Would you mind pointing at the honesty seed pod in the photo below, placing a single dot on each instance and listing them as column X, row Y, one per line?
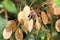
column 20, row 17
column 37, row 25
column 44, row 17
column 56, row 9
column 19, row 34
column 26, row 10
column 7, row 32
column 30, row 25
column 26, row 23
column 57, row 25
column 12, row 24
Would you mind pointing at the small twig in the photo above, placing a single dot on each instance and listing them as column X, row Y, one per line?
column 32, row 3
column 6, row 14
column 20, row 6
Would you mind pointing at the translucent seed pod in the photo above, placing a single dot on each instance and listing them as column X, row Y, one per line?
column 44, row 17
column 57, row 25
column 30, row 26
column 38, row 26
column 12, row 24
column 20, row 17
column 7, row 32
column 19, row 34
column 26, row 10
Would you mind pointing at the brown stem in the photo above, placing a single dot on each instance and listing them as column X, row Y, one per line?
column 6, row 15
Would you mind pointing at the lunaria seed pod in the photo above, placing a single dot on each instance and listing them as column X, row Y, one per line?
column 30, row 25
column 56, row 9
column 12, row 24
column 38, row 26
column 26, row 23
column 20, row 17
column 57, row 25
column 9, row 29
column 19, row 34
column 7, row 32
column 44, row 17
column 26, row 10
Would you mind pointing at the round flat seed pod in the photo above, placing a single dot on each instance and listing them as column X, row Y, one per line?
column 20, row 17
column 57, row 25
column 7, row 32
column 38, row 26
column 30, row 26
column 12, row 24
column 26, row 10
column 44, row 17
column 56, row 9
column 19, row 34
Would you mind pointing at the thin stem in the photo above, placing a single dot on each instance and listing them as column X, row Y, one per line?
column 6, row 14
column 32, row 3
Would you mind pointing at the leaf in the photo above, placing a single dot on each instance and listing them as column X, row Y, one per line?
column 2, row 23
column 10, row 6
column 57, row 2
column 2, row 26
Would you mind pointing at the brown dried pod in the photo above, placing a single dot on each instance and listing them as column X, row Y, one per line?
column 7, row 32
column 56, row 9
column 26, row 10
column 48, row 35
column 20, row 17
column 38, row 26
column 57, row 25
column 44, row 17
column 26, row 23
column 30, row 25
column 12, row 24
column 19, row 34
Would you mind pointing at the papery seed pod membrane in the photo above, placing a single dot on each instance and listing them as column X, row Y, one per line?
column 30, row 25
column 20, row 17
column 37, row 25
column 7, row 32
column 44, row 17
column 12, row 24
column 26, row 10
column 19, row 34
column 48, row 35
column 26, row 23
column 57, row 25
column 56, row 9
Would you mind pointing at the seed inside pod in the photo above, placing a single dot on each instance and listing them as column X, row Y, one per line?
column 12, row 25
column 20, row 17
column 26, row 10
column 57, row 25
column 30, row 26
column 19, row 34
column 7, row 32
column 44, row 17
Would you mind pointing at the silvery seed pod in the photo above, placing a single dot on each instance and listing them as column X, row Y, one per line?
column 57, row 25
column 26, row 10
column 44, row 17
column 19, row 34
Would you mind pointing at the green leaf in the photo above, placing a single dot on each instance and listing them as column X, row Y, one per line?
column 57, row 2
column 10, row 6
column 2, row 25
